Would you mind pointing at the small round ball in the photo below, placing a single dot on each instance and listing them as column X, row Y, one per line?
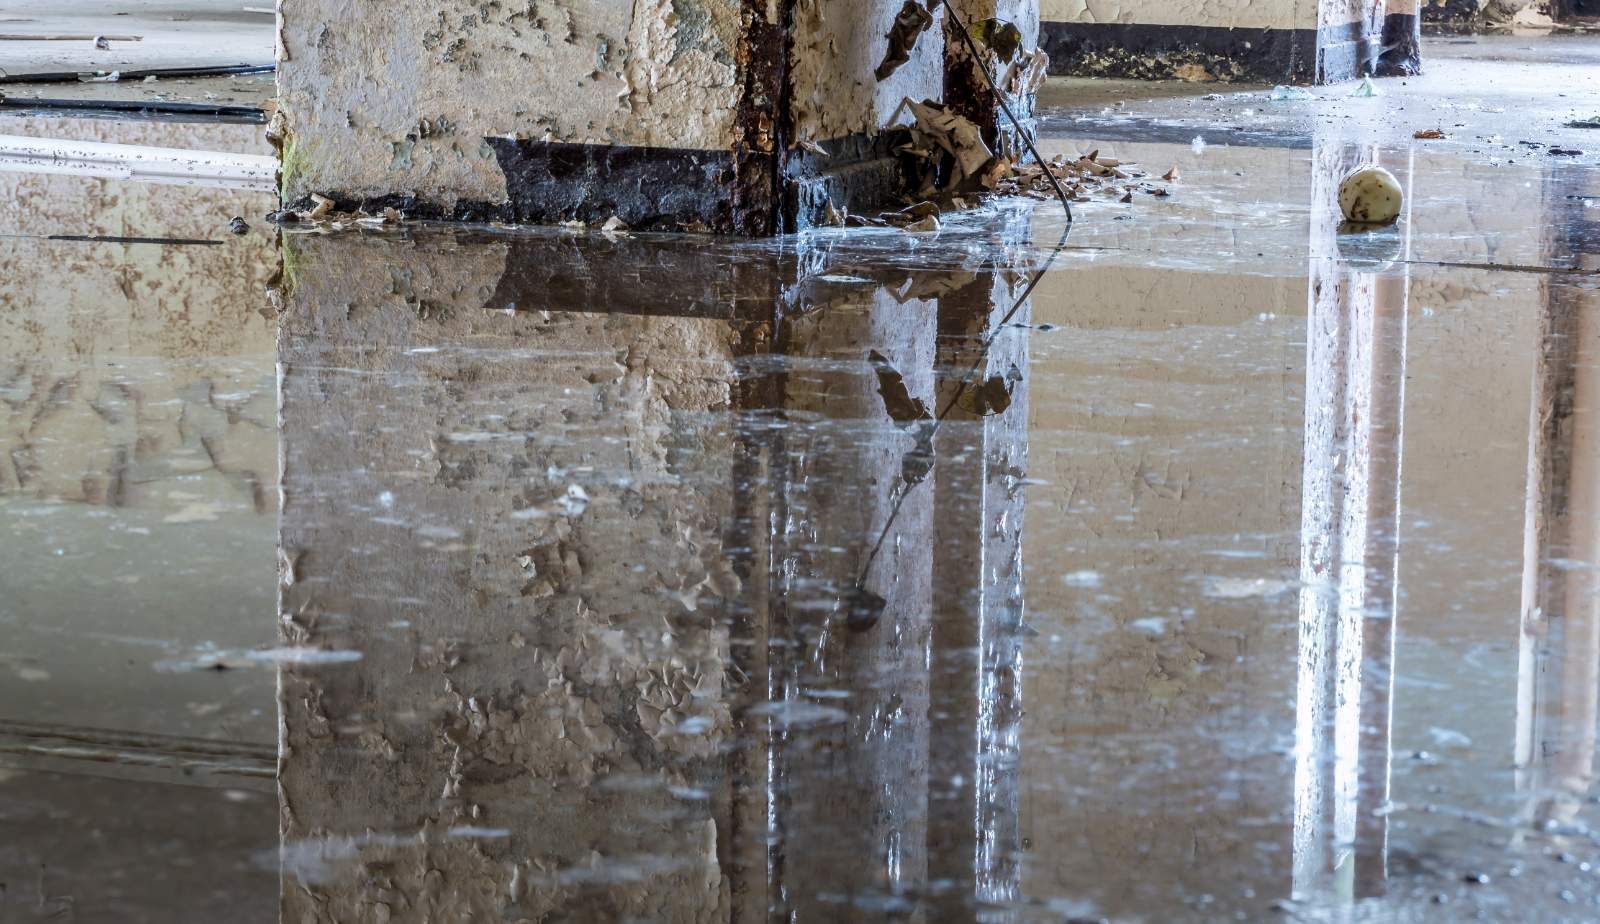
column 1370, row 195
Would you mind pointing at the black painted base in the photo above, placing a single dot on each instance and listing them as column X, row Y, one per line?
column 659, row 189
column 1157, row 52
column 1402, row 46
column 1205, row 53
column 648, row 189
column 858, row 174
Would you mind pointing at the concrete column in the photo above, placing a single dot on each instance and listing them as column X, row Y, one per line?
column 851, row 692
column 976, row 700
column 742, row 116
column 1400, row 48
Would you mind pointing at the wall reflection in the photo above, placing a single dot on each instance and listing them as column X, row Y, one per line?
column 651, row 588
column 1558, row 677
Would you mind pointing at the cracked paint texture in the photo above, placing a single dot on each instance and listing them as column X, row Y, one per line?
column 389, row 97
column 837, row 46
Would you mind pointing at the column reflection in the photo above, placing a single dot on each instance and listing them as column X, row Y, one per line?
column 1350, row 525
column 579, row 599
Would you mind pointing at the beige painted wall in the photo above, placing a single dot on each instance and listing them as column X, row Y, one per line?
column 1238, row 14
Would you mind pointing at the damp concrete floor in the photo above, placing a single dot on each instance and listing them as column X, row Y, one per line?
column 1196, row 562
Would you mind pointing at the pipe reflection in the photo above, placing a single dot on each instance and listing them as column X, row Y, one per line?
column 1350, row 523
column 566, row 611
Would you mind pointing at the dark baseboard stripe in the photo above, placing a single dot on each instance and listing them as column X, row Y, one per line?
column 1158, row 52
column 1451, row 11
column 661, row 189
column 1155, row 52
column 648, row 188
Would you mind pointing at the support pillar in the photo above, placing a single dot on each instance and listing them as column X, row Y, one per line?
column 733, row 116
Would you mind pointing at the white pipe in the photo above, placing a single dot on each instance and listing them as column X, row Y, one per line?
column 139, row 162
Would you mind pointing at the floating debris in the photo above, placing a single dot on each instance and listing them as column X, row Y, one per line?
column 1370, row 195
column 897, row 399
column 864, row 609
column 321, row 206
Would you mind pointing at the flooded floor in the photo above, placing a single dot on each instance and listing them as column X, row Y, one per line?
column 1199, row 564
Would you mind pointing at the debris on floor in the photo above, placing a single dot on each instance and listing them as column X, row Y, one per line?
column 1370, row 195
column 324, row 215
column 1428, row 134
column 1281, row 93
column 935, row 143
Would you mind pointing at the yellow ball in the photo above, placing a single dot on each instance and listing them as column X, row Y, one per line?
column 1370, row 195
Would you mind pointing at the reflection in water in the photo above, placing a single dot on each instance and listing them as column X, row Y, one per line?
column 661, row 597
column 594, row 564
column 677, row 580
column 1558, row 684
column 1350, row 530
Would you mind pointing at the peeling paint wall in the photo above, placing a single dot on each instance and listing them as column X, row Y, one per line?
column 838, row 44
column 381, row 98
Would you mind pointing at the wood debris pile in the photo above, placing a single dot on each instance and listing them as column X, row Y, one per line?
column 324, row 216
column 953, row 168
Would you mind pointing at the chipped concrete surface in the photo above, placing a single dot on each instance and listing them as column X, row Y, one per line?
column 1236, row 14
column 837, row 46
column 385, row 98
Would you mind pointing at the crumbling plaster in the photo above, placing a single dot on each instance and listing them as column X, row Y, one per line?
column 379, row 98
column 837, row 46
